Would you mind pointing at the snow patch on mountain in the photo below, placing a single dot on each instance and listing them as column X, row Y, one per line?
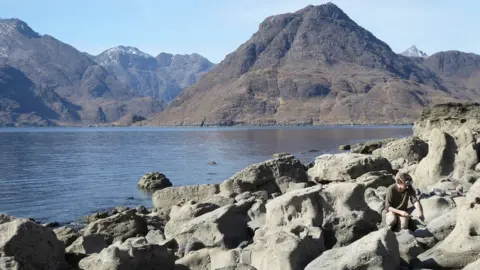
column 414, row 52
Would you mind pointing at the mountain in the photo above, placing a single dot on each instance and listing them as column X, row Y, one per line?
column 414, row 52
column 74, row 87
column 162, row 77
column 313, row 66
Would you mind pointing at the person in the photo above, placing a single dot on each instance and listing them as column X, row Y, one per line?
column 396, row 201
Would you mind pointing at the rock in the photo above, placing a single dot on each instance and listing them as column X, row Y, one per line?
column 225, row 227
column 119, row 209
column 118, row 227
column 337, row 208
column 135, row 253
column 370, row 146
column 155, row 221
column 197, row 260
column 461, row 246
column 258, row 210
column 377, row 250
column 376, row 179
column 288, row 247
column 477, row 168
column 466, row 157
column 53, row 224
column 141, row 209
column 374, row 201
column 435, row 206
column 473, row 266
column 95, row 216
column 408, row 246
column 271, row 176
column 296, row 186
column 66, row 235
column 220, row 200
column 212, row 163
column 27, row 245
column 155, row 237
column 346, row 166
column 411, row 149
column 87, row 244
column 281, row 155
column 438, row 163
column 238, row 267
column 188, row 211
column 448, row 118
column 437, row 230
column 260, row 195
column 154, row 181
column 164, row 199
column 345, row 147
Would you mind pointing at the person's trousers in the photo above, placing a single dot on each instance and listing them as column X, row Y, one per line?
column 391, row 219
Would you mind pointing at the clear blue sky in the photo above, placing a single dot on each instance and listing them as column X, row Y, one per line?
column 214, row 28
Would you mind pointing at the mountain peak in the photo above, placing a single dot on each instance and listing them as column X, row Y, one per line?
column 127, row 50
column 14, row 25
column 413, row 51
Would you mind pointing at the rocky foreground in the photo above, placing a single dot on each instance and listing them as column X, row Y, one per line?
column 281, row 214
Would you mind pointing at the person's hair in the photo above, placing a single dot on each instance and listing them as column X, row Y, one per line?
column 402, row 177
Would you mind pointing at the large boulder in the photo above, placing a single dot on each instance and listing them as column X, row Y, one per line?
column 436, row 230
column 154, row 181
column 27, row 245
column 473, row 266
column 375, row 200
column 164, row 199
column 184, row 213
column 466, row 157
column 346, row 166
column 377, row 250
column 370, row 146
column 118, row 227
column 287, row 248
column 66, row 235
column 462, row 245
column 135, row 253
column 225, row 227
column 408, row 246
column 87, row 244
column 339, row 209
column 438, row 163
column 376, row 179
column 435, row 206
column 272, row 176
column 209, row 258
column 448, row 118
column 411, row 149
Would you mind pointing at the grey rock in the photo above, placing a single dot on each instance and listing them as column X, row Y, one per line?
column 66, row 235
column 87, row 244
column 95, row 216
column 135, row 253
column 141, row 209
column 346, row 166
column 377, row 250
column 118, row 227
column 154, row 181
column 408, row 246
column 412, row 149
column 27, row 245
column 370, row 146
column 271, row 176
column 376, row 179
column 165, row 199
column 155, row 237
column 435, row 206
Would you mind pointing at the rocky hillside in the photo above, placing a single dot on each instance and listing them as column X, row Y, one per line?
column 162, row 77
column 315, row 66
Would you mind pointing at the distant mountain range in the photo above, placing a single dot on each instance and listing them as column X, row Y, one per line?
column 312, row 66
column 44, row 81
column 317, row 66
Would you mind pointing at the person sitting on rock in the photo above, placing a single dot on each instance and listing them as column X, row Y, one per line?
column 396, row 201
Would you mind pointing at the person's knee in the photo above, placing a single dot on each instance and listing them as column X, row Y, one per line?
column 390, row 219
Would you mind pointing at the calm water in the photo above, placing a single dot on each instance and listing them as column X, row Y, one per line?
column 61, row 174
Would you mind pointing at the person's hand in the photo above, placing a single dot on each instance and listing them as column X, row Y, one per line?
column 404, row 214
column 421, row 217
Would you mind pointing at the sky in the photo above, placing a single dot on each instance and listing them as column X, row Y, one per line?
column 214, row 28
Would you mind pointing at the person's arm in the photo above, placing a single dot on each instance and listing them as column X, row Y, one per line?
column 415, row 201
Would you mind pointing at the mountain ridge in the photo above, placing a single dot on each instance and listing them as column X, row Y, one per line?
column 312, row 66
